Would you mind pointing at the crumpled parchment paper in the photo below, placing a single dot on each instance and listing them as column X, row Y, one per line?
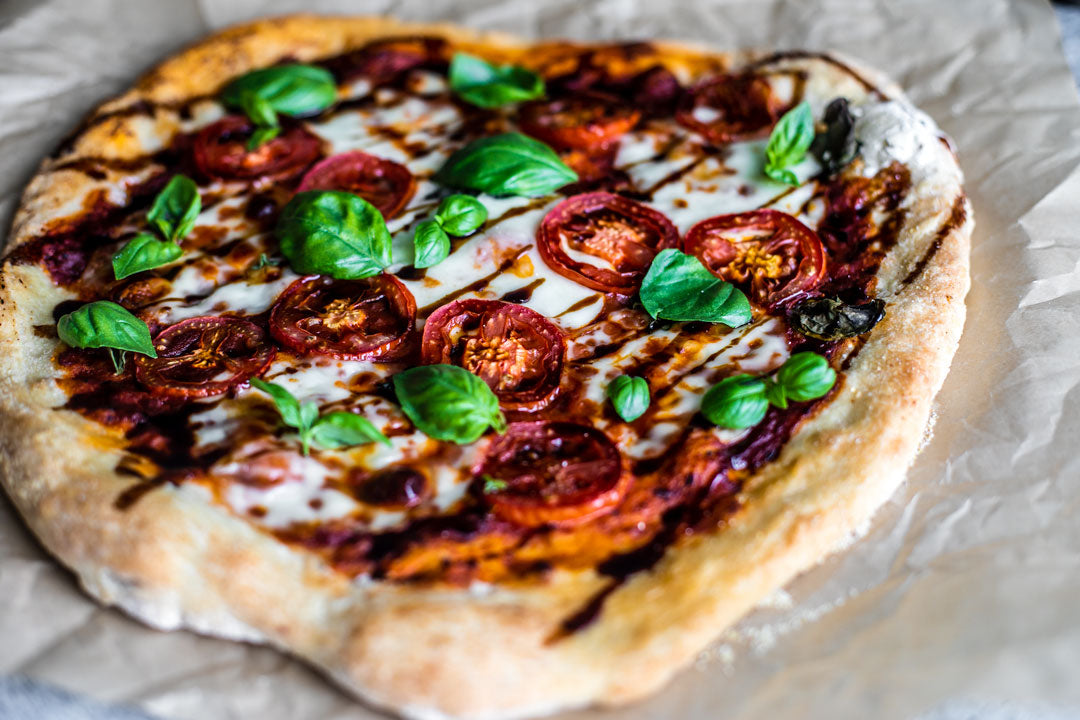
column 962, row 599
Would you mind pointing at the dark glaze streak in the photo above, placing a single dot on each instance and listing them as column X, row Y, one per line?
column 524, row 294
column 824, row 57
column 957, row 217
column 474, row 287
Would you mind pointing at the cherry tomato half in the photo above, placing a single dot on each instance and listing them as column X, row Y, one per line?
column 731, row 108
column 383, row 60
column 581, row 121
column 516, row 351
column 384, row 183
column 367, row 319
column 551, row 473
column 767, row 253
column 220, row 150
column 623, row 234
column 204, row 356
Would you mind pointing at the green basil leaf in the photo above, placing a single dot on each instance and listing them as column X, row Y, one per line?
column 460, row 215
column 775, row 394
column 259, row 110
column 143, row 252
column 735, row 402
column 175, row 208
column 493, row 485
column 826, row 318
column 447, row 402
column 260, row 136
column 287, row 405
column 508, row 164
column 788, row 143
column 806, row 376
column 294, row 90
column 678, row 287
column 344, row 429
column 105, row 324
column 836, row 147
column 333, row 233
column 489, row 86
column 629, row 396
column 431, row 243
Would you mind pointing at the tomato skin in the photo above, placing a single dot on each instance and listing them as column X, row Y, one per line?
column 384, row 183
column 462, row 332
column 382, row 61
column 624, row 233
column 193, row 354
column 783, row 262
column 745, row 104
column 366, row 319
column 580, row 122
column 220, row 151
column 552, row 473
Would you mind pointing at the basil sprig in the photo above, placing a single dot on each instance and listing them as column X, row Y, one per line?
column 629, row 396
column 457, row 215
column 507, row 164
column 788, row 143
column 173, row 213
column 105, row 324
column 490, row 86
column 329, row 232
column 446, row 402
column 329, row 431
column 295, row 90
column 740, row 401
column 836, row 147
column 678, row 287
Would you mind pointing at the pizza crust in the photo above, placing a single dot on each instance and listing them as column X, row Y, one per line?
column 174, row 560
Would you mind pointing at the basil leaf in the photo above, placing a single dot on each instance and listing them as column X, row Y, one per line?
column 826, row 318
column 287, row 405
column 293, row 90
column 333, row 233
column 774, row 392
column 788, row 143
column 460, row 215
column 343, row 429
column 105, row 324
column 493, row 485
column 629, row 396
column 806, row 376
column 447, row 402
column 489, row 86
column 508, row 164
column 836, row 147
column 431, row 243
column 175, row 208
column 260, row 136
column 259, row 110
column 678, row 287
column 735, row 402
column 143, row 252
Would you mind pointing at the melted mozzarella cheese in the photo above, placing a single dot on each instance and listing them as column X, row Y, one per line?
column 303, row 499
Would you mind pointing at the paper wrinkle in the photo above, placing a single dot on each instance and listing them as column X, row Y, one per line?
column 962, row 594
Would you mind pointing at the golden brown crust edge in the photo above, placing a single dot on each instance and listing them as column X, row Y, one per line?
column 175, row 561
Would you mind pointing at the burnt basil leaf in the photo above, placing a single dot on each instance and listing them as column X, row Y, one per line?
column 460, row 215
column 826, row 318
column 836, row 147
column 446, row 402
column 294, row 90
column 736, row 402
column 431, row 244
column 507, row 164
column 343, row 429
column 490, row 86
column 175, row 208
column 329, row 232
column 105, row 324
column 678, row 287
column 788, row 143
column 629, row 396
column 143, row 252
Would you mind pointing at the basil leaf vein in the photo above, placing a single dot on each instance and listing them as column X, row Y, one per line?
column 788, row 143
column 104, row 324
column 176, row 208
column 489, row 86
column 143, row 252
column 507, row 164
column 446, row 402
column 334, row 233
column 678, row 287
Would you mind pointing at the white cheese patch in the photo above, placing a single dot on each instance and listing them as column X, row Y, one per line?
column 303, row 498
column 896, row 132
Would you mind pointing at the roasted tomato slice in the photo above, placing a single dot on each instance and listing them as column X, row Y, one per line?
column 204, row 356
column 384, row 183
column 622, row 234
column 583, row 122
column 517, row 351
column 220, row 151
column 769, row 254
column 383, row 60
column 551, row 473
column 731, row 108
column 368, row 319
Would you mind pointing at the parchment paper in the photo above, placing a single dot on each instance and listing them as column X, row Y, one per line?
column 962, row 600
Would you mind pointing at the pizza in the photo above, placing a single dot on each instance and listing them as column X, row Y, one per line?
column 490, row 378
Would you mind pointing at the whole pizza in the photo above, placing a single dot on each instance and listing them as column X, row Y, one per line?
column 491, row 378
